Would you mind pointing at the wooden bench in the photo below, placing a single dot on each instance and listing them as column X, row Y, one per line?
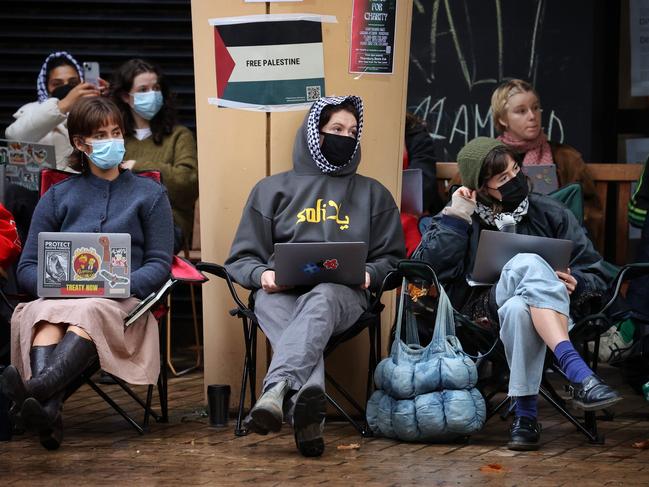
column 621, row 176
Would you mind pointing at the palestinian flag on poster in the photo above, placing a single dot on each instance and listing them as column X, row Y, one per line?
column 269, row 62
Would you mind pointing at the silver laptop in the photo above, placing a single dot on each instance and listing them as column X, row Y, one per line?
column 495, row 249
column 75, row 265
column 412, row 192
column 544, row 178
column 21, row 162
column 307, row 264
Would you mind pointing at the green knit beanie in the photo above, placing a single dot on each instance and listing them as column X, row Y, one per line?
column 472, row 156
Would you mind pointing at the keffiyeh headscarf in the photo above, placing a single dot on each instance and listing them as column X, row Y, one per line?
column 503, row 219
column 313, row 130
column 41, row 81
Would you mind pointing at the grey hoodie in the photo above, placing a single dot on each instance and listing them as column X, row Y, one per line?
column 316, row 202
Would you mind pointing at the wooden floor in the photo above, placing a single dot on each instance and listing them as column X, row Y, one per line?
column 101, row 449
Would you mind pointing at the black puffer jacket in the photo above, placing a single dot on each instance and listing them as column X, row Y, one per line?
column 450, row 244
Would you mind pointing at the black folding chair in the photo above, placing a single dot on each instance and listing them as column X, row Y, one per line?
column 181, row 270
column 370, row 320
column 589, row 328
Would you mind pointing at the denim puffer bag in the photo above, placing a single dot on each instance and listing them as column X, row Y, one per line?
column 426, row 393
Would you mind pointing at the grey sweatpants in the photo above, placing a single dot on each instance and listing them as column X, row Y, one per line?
column 299, row 326
column 527, row 280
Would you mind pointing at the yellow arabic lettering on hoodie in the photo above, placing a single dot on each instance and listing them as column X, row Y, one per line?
column 318, row 214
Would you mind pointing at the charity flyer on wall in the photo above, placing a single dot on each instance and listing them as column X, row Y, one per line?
column 372, row 40
column 269, row 63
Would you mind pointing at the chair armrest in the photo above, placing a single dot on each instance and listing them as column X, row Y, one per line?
column 220, row 271
column 183, row 270
column 147, row 303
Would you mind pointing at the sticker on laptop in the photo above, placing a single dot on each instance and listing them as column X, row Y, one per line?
column 86, row 263
column 323, row 265
column 118, row 259
column 57, row 263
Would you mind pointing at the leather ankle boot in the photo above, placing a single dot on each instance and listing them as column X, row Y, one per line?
column 72, row 356
column 268, row 413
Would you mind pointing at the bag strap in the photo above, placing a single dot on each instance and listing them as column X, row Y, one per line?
column 444, row 322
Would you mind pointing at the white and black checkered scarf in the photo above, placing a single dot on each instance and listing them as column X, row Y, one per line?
column 41, row 81
column 313, row 130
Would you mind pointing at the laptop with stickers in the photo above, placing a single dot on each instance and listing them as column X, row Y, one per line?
column 82, row 265
column 21, row 162
column 308, row 264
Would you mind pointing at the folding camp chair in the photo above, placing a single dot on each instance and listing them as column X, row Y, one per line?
column 370, row 319
column 181, row 271
column 587, row 329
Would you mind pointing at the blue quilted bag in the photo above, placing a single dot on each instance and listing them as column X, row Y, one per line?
column 425, row 393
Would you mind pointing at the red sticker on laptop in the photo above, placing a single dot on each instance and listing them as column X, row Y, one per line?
column 86, row 263
column 330, row 264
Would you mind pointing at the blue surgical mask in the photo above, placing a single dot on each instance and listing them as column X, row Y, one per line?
column 107, row 154
column 147, row 104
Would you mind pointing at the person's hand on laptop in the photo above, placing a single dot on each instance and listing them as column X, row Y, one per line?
column 568, row 280
column 367, row 281
column 268, row 283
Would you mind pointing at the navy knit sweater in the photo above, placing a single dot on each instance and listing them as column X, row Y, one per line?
column 129, row 204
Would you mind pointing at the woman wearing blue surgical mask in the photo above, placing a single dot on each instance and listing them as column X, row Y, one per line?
column 154, row 140
column 54, row 340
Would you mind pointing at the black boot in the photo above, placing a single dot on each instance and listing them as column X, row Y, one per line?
column 48, row 419
column 14, row 388
column 308, row 421
column 72, row 356
column 41, row 410
column 525, row 434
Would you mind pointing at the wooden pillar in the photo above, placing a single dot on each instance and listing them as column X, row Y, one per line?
column 233, row 154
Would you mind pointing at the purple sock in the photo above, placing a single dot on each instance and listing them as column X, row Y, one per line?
column 571, row 362
column 526, row 406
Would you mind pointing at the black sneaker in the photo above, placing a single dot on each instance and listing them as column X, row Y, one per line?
column 524, row 434
column 308, row 421
column 593, row 394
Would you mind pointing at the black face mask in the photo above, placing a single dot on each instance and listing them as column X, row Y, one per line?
column 513, row 192
column 338, row 149
column 62, row 91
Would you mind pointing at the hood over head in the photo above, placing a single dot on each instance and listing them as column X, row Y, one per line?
column 41, row 81
column 307, row 156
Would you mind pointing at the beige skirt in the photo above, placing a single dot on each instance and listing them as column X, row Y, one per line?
column 133, row 354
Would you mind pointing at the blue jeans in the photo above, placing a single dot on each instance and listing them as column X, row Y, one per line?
column 527, row 280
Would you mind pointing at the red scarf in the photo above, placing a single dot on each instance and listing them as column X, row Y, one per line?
column 537, row 152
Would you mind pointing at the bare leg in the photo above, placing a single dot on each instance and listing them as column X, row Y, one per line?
column 551, row 326
column 78, row 331
column 48, row 334
column 51, row 334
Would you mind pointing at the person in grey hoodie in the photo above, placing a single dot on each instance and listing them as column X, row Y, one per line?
column 281, row 208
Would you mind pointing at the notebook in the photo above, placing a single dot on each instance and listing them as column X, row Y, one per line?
column 74, row 265
column 495, row 249
column 21, row 162
column 412, row 192
column 307, row 264
column 544, row 178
